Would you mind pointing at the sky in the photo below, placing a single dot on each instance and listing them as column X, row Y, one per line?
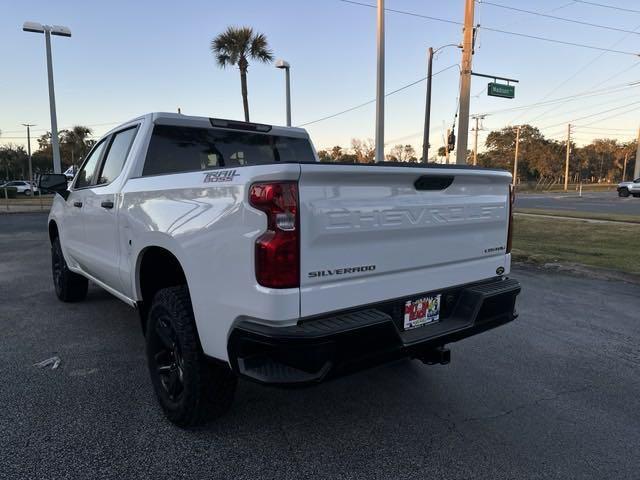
column 126, row 58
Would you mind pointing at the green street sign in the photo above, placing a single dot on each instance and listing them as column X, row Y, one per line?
column 501, row 90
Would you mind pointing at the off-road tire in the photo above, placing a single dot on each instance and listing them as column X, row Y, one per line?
column 69, row 286
column 206, row 387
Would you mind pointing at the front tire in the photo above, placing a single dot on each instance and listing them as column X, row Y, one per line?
column 27, row 193
column 623, row 192
column 190, row 389
column 70, row 287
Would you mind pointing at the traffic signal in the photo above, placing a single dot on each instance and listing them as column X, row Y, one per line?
column 451, row 142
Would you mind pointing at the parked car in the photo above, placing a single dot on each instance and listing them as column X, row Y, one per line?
column 22, row 186
column 246, row 256
column 629, row 188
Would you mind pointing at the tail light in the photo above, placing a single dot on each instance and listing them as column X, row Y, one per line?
column 512, row 198
column 277, row 251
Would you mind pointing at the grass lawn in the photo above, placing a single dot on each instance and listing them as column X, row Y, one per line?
column 603, row 245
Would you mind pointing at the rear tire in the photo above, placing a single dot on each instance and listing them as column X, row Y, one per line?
column 623, row 192
column 190, row 389
column 69, row 286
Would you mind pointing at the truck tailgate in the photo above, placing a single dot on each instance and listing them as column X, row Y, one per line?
column 373, row 233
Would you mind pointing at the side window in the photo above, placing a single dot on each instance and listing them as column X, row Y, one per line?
column 116, row 155
column 87, row 173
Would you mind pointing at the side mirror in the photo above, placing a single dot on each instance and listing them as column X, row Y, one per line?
column 54, row 182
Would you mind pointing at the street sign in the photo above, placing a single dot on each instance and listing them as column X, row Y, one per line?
column 501, row 90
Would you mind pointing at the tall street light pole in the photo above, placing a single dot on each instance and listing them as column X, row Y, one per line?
column 465, row 83
column 29, row 125
column 427, row 109
column 286, row 67
column 380, row 86
column 49, row 30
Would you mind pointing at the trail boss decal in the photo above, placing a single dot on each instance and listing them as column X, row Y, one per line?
column 341, row 271
column 220, row 176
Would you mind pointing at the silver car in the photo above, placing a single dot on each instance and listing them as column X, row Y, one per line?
column 629, row 188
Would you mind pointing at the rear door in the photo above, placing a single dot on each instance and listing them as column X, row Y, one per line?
column 371, row 233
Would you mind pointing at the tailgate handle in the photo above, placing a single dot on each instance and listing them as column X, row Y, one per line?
column 433, row 182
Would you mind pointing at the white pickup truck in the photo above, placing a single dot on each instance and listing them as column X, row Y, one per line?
column 247, row 257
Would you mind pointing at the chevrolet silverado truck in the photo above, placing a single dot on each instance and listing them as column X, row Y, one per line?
column 247, row 257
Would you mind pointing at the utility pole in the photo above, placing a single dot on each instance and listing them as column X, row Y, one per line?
column 380, row 86
column 465, row 83
column 427, row 110
column 446, row 146
column 636, row 169
column 624, row 169
column 29, row 125
column 477, row 118
column 566, row 164
column 514, row 180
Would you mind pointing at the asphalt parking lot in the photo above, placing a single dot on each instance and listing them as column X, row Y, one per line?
column 597, row 202
column 555, row 394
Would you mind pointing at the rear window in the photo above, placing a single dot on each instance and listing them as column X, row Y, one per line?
column 186, row 149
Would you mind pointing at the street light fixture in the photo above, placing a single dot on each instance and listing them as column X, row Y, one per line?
column 60, row 31
column 285, row 65
column 427, row 112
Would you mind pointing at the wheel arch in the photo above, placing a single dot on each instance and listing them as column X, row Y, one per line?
column 53, row 230
column 156, row 267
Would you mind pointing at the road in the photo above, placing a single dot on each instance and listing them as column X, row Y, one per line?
column 597, row 202
column 553, row 395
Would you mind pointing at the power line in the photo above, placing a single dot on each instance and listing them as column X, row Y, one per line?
column 613, row 7
column 576, row 73
column 614, row 115
column 562, row 42
column 497, row 30
column 606, row 128
column 589, row 93
column 554, row 17
column 64, row 128
column 593, row 115
column 404, row 87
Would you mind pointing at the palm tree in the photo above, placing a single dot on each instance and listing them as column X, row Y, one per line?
column 78, row 140
column 235, row 46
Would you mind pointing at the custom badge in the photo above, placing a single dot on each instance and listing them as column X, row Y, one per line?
column 220, row 176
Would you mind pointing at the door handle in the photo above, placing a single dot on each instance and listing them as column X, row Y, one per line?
column 77, row 204
column 107, row 204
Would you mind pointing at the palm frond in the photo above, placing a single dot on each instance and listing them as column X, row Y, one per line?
column 260, row 49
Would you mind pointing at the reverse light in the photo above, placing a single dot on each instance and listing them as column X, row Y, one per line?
column 277, row 251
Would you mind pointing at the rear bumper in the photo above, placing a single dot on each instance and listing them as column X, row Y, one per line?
column 346, row 341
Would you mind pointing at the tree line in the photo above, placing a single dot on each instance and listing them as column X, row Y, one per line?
column 540, row 159
column 74, row 142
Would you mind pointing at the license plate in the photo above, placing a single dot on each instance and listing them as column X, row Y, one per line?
column 421, row 311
